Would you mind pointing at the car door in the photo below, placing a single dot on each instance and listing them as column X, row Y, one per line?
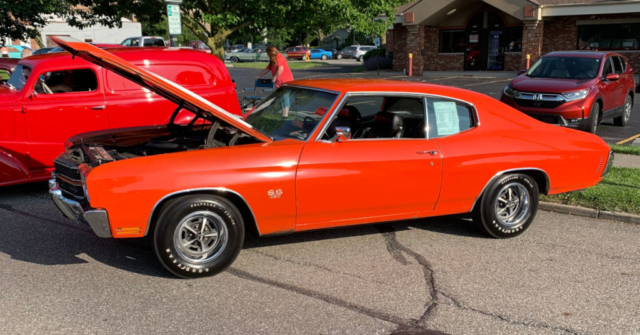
column 375, row 178
column 61, row 103
column 622, row 82
column 607, row 87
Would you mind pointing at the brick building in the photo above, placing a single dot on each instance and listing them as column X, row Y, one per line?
column 497, row 35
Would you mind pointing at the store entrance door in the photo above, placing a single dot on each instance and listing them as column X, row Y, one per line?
column 485, row 43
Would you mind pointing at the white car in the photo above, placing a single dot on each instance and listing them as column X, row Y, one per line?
column 144, row 41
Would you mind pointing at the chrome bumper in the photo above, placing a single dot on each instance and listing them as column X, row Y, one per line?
column 609, row 163
column 97, row 219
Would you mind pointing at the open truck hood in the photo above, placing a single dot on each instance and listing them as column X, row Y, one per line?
column 163, row 87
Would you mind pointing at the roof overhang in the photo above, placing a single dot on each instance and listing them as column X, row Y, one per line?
column 610, row 7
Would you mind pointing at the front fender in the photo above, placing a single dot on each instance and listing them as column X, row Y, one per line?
column 11, row 169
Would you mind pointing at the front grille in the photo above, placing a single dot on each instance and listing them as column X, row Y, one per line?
column 70, row 172
column 68, row 179
column 538, row 104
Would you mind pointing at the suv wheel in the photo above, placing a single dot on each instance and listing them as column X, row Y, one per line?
column 359, row 59
column 594, row 118
column 623, row 120
column 508, row 206
column 198, row 236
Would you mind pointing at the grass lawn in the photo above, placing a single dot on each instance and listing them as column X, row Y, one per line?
column 292, row 65
column 626, row 149
column 619, row 191
column 359, row 69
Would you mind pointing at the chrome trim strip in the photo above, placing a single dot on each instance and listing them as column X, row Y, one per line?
column 609, row 163
column 221, row 189
column 97, row 219
column 507, row 171
column 426, row 118
column 395, row 94
column 539, row 96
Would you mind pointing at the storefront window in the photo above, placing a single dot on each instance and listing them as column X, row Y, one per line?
column 609, row 36
column 452, row 41
column 513, row 39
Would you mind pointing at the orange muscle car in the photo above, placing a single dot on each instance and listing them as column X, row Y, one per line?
column 315, row 154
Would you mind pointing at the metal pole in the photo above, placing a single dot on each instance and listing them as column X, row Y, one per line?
column 410, row 65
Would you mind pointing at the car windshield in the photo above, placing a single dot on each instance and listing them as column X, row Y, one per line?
column 291, row 112
column 565, row 68
column 19, row 77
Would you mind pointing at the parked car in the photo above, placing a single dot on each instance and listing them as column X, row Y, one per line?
column 297, row 52
column 43, row 50
column 576, row 89
column 236, row 48
column 15, row 51
column 355, row 51
column 320, row 54
column 195, row 190
column 200, row 46
column 36, row 117
column 334, row 53
column 144, row 41
column 7, row 66
column 253, row 55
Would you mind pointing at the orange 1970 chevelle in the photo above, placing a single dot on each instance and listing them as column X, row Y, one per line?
column 315, row 154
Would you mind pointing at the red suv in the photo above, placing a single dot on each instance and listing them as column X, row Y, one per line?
column 297, row 52
column 575, row 89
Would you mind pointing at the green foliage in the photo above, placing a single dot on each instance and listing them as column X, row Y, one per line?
column 22, row 19
column 619, row 191
column 375, row 52
column 626, row 149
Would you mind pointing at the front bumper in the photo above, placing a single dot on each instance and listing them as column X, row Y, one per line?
column 569, row 114
column 97, row 219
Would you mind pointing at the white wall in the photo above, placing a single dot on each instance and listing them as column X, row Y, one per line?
column 97, row 33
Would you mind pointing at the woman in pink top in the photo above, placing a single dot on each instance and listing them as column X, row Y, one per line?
column 278, row 67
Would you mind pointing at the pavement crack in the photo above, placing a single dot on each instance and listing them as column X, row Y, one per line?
column 536, row 324
column 396, row 248
column 324, row 297
column 324, row 268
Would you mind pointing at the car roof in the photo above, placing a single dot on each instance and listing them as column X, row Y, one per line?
column 385, row 86
column 168, row 54
column 579, row 53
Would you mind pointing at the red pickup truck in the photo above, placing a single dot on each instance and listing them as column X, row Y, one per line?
column 51, row 97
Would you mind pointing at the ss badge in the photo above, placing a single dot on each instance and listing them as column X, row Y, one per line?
column 274, row 194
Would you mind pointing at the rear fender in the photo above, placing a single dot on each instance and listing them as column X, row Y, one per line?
column 11, row 169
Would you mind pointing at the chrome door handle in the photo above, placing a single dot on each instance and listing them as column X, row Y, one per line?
column 427, row 152
column 97, row 108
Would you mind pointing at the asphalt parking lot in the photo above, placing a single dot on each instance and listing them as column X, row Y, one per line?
column 565, row 275
column 485, row 84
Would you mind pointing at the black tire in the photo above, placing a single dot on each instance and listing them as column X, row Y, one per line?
column 234, row 60
column 594, row 118
column 623, row 120
column 224, row 226
column 359, row 59
column 497, row 200
column 324, row 57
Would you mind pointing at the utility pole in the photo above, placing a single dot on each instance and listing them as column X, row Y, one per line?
column 173, row 18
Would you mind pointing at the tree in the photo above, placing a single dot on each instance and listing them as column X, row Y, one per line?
column 23, row 19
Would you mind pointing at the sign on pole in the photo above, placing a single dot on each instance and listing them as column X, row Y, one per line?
column 173, row 15
column 376, row 41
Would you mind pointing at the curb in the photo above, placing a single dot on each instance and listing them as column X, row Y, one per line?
column 589, row 212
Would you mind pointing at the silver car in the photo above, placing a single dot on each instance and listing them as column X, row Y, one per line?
column 355, row 51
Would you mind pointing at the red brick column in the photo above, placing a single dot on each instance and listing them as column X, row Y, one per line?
column 532, row 41
column 398, row 44
column 415, row 46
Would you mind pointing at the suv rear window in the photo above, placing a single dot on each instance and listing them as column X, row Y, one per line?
column 155, row 42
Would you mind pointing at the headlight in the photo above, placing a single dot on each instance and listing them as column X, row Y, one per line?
column 576, row 95
column 510, row 92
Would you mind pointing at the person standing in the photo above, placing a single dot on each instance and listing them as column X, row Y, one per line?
column 280, row 73
column 4, row 50
column 278, row 66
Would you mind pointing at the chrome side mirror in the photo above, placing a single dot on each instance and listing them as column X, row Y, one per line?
column 343, row 134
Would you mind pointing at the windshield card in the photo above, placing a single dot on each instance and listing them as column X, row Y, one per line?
column 447, row 121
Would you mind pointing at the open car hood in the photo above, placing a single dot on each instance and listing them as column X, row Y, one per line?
column 163, row 87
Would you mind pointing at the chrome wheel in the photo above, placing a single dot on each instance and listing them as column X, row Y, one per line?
column 201, row 236
column 627, row 109
column 512, row 205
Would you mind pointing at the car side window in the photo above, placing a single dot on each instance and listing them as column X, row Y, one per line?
column 380, row 117
column 135, row 42
column 446, row 117
column 67, row 81
column 608, row 68
column 621, row 65
column 127, row 42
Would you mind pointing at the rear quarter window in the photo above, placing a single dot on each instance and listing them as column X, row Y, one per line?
column 189, row 76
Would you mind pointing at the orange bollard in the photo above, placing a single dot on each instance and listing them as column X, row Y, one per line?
column 528, row 61
column 410, row 65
